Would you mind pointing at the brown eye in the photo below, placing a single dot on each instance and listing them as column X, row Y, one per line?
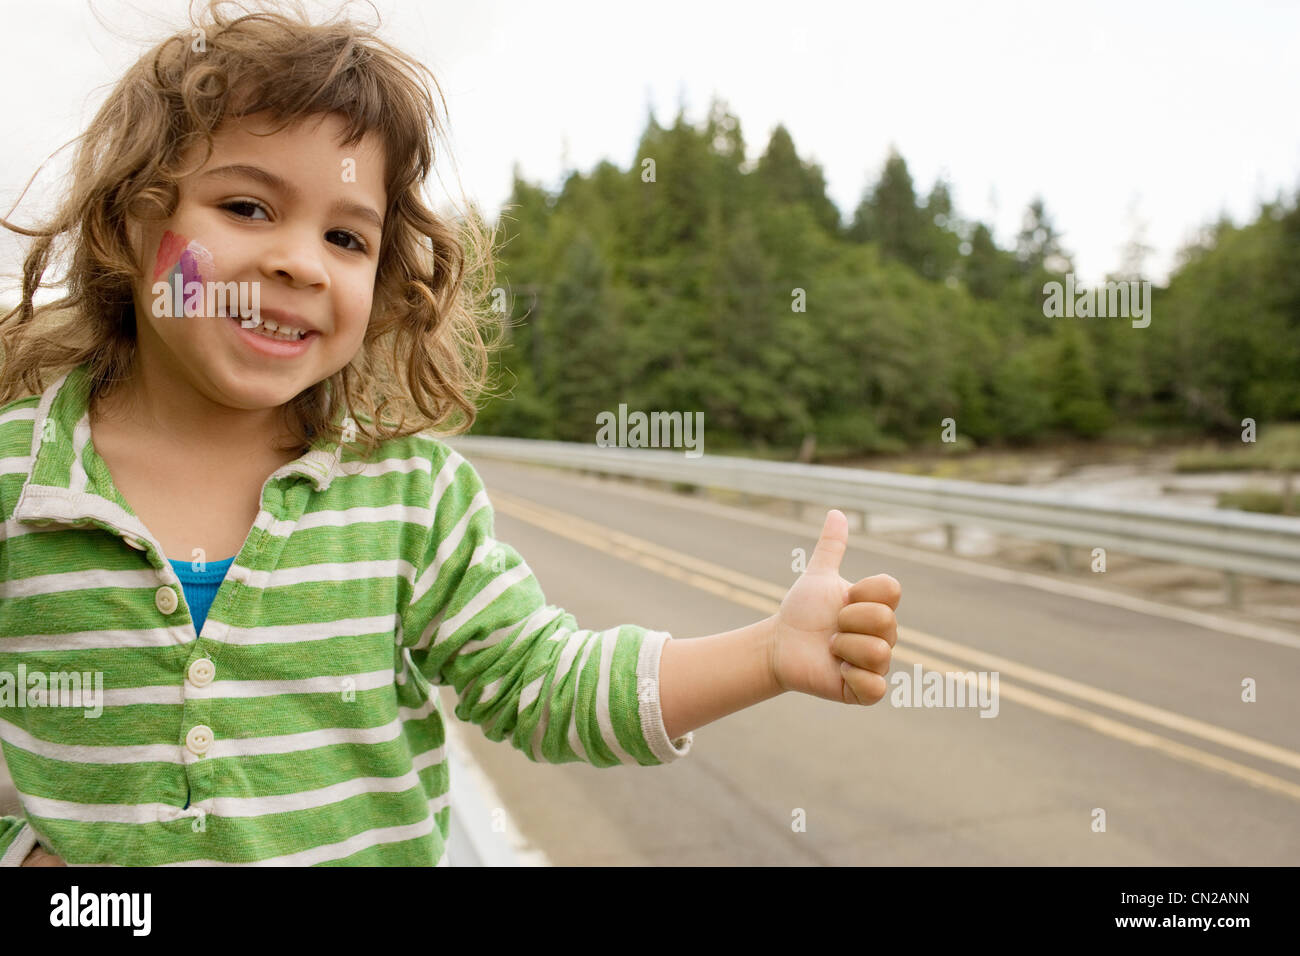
column 239, row 206
column 349, row 235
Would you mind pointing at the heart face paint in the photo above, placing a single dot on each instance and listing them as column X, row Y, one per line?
column 187, row 261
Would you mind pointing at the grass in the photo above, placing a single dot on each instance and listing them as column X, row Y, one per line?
column 1265, row 502
column 1277, row 448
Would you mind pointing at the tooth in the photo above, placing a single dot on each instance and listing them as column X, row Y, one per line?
column 270, row 325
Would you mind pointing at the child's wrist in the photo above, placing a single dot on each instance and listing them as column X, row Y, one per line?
column 774, row 687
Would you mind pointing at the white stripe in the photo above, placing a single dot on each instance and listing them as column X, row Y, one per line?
column 243, row 689
column 16, row 736
column 538, row 620
column 529, row 627
column 43, row 410
column 574, row 641
column 220, row 807
column 310, row 799
column 310, row 630
column 296, row 743
column 19, row 415
column 100, row 640
column 483, row 599
column 602, row 700
column 530, row 693
column 359, row 515
column 452, row 541
column 335, row 851
column 333, row 571
column 650, row 708
column 68, row 581
column 20, row 465
column 417, row 713
column 575, row 741
column 446, row 476
column 446, row 547
column 78, row 478
column 374, row 469
column 13, row 528
column 219, row 689
column 140, row 813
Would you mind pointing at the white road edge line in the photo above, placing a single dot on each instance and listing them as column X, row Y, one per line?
column 474, row 800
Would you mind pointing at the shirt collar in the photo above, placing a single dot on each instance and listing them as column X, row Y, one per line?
column 66, row 484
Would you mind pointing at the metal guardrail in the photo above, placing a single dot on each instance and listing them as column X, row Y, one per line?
column 1265, row 546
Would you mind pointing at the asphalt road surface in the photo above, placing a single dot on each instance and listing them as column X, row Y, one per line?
column 1121, row 737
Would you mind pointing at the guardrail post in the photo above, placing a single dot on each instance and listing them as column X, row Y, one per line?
column 1063, row 559
column 857, row 520
column 950, row 536
column 1232, row 587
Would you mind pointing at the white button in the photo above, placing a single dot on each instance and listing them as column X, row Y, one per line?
column 201, row 672
column 199, row 739
column 138, row 545
column 166, row 600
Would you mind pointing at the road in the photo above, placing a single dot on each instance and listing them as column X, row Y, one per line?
column 1102, row 709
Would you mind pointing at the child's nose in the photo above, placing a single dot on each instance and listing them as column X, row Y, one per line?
column 297, row 256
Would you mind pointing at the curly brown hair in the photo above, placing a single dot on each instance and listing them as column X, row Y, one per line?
column 424, row 355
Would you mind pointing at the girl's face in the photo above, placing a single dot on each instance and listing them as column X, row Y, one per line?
column 289, row 223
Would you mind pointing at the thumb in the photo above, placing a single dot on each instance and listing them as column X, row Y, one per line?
column 831, row 545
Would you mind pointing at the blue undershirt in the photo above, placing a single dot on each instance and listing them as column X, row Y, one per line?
column 200, row 587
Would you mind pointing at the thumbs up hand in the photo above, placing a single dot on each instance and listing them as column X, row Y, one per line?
column 832, row 638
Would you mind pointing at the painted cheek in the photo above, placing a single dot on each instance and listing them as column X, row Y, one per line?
column 188, row 264
column 195, row 261
column 169, row 250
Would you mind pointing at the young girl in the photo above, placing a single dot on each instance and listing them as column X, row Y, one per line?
column 207, row 514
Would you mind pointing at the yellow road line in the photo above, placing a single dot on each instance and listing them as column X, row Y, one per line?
column 1103, row 698
column 765, row 597
column 1119, row 730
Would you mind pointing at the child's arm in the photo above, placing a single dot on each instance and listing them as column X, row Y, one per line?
column 705, row 678
column 829, row 638
column 523, row 669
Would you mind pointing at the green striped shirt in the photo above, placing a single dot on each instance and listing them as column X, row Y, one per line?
column 300, row 726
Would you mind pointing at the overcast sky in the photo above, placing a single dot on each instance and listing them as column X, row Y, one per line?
column 1167, row 113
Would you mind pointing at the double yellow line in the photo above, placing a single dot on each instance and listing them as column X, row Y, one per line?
column 765, row 597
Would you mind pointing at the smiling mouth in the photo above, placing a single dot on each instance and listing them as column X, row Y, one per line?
column 269, row 329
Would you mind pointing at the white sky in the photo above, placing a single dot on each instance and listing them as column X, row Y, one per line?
column 1177, row 110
